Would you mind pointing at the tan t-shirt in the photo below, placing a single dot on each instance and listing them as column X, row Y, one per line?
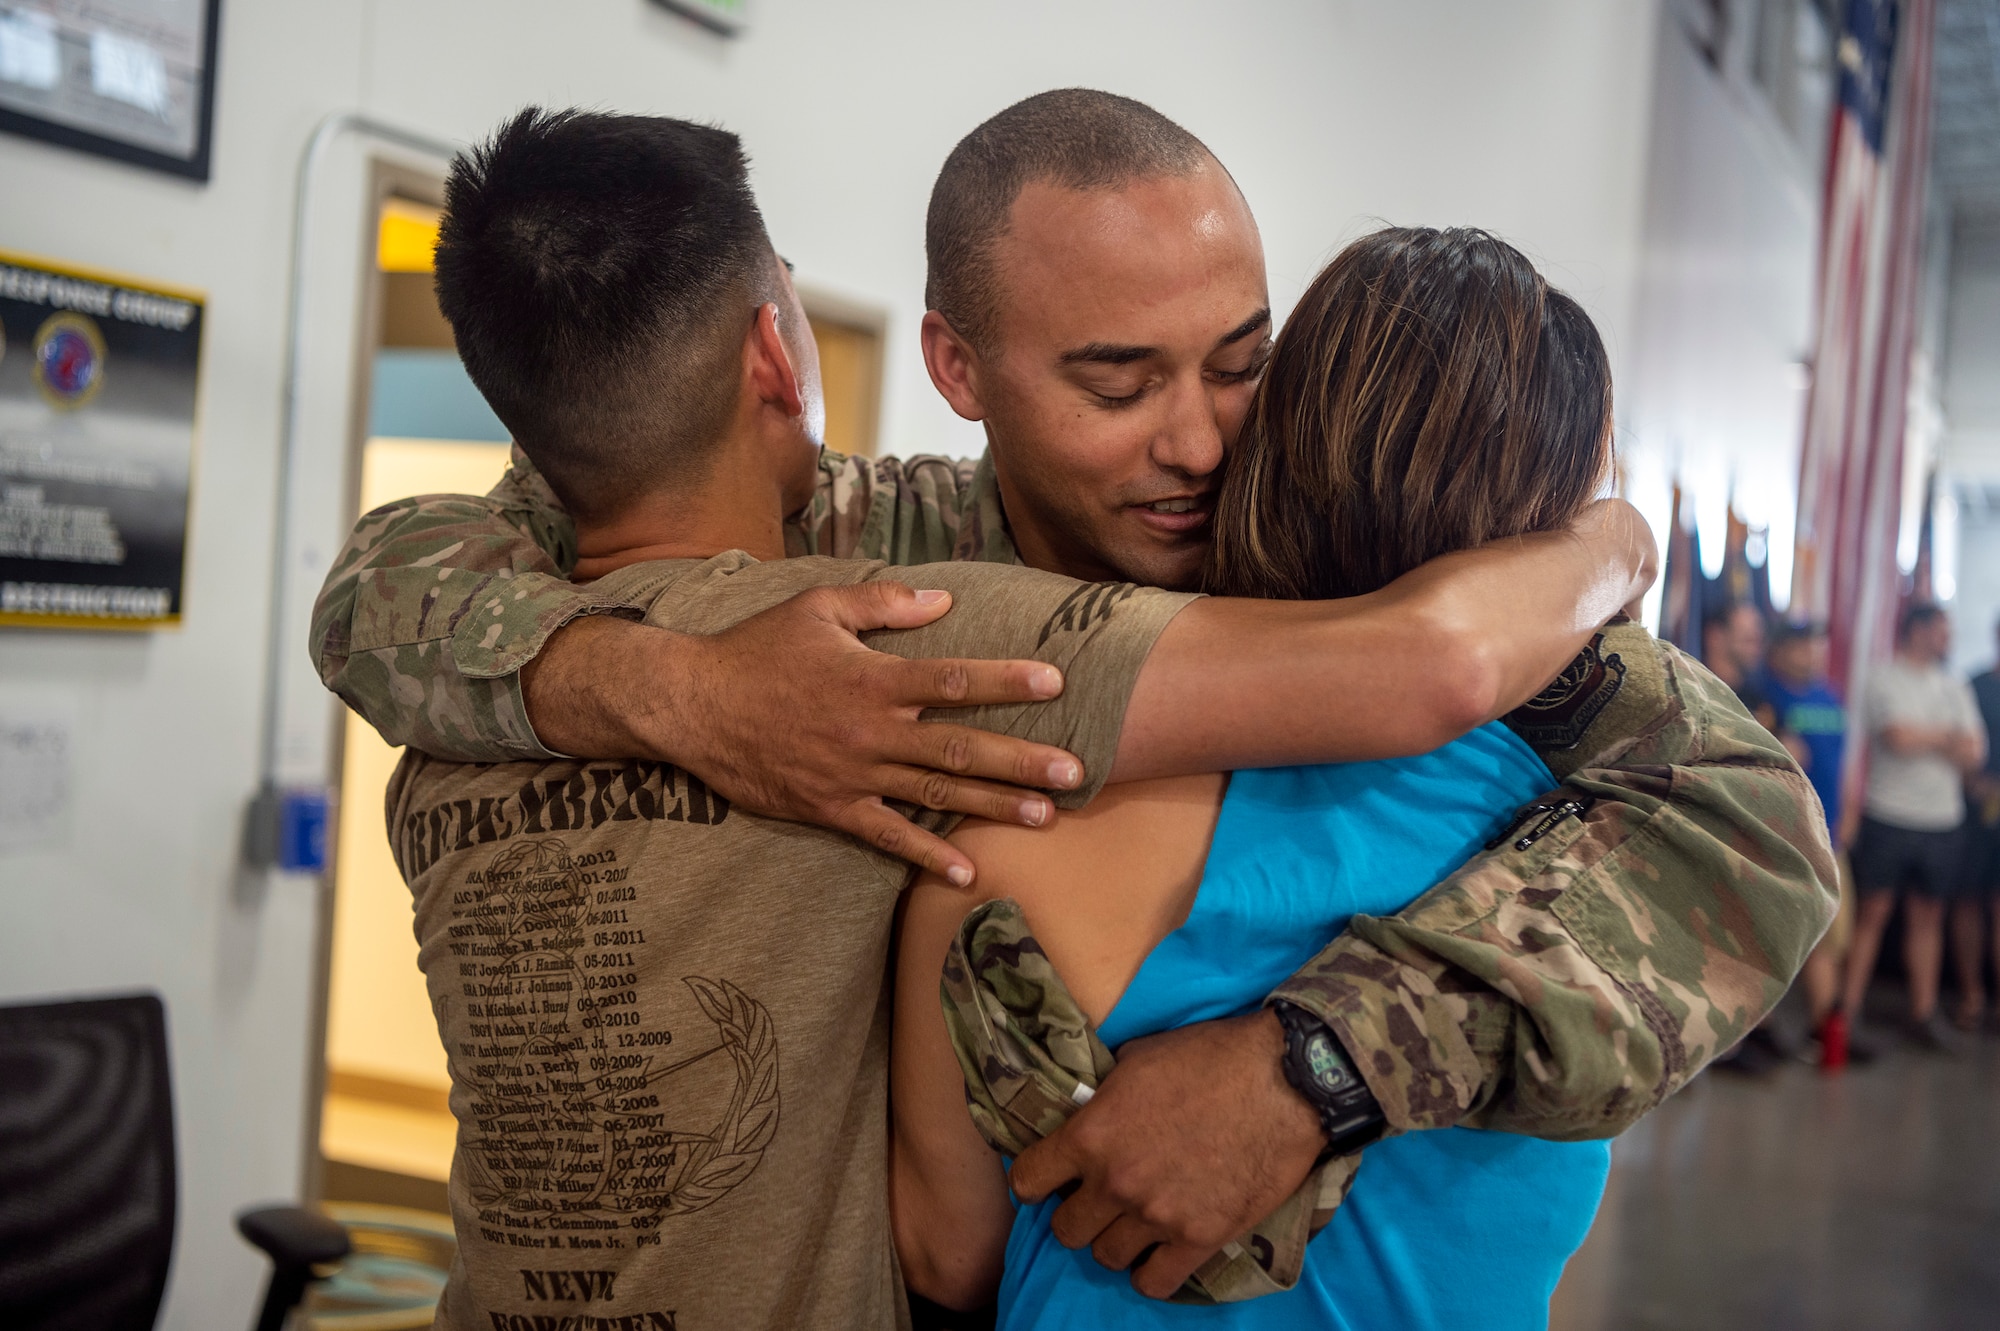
column 668, row 1020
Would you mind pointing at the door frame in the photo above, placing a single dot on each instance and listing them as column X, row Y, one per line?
column 387, row 179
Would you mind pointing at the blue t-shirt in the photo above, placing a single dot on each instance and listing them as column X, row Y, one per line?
column 1447, row 1229
column 1816, row 715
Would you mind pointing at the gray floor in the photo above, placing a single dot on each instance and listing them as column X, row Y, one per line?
column 1868, row 1201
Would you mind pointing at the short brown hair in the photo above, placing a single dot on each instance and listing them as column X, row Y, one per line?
column 1073, row 137
column 1429, row 393
column 600, row 273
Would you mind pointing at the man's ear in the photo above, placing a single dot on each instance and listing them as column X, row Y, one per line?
column 954, row 366
column 773, row 377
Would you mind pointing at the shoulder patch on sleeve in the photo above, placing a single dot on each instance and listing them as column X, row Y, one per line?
column 1558, row 717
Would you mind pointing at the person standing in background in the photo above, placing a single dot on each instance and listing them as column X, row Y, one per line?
column 1924, row 734
column 1811, row 720
column 1982, row 862
column 1732, row 645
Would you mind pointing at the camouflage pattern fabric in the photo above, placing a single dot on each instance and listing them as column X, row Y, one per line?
column 923, row 511
column 1574, row 976
column 1031, row 1057
column 1560, row 985
column 436, row 602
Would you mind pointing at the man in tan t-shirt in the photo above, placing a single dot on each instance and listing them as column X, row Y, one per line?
column 655, row 1005
column 667, row 1020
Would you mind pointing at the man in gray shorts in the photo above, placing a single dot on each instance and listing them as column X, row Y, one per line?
column 1924, row 734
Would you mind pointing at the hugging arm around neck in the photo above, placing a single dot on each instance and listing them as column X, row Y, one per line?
column 1443, row 649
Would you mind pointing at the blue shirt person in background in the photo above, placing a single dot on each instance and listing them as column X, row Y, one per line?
column 1809, row 716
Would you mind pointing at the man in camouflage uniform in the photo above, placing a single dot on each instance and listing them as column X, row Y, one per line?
column 1636, row 923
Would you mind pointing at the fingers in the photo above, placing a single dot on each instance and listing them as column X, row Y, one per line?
column 945, row 682
column 1167, row 1268
column 875, row 605
column 1123, row 1242
column 965, row 751
column 1081, row 1220
column 980, row 799
column 1044, row 1167
column 871, row 823
column 1047, row 1166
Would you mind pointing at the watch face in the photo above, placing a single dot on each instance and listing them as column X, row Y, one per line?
column 1328, row 1069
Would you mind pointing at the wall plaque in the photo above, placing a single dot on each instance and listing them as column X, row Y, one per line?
column 97, row 417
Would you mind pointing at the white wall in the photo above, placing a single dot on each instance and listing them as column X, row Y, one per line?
column 1524, row 118
column 1530, row 118
column 145, row 895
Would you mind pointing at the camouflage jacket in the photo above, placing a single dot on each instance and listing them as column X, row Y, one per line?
column 1631, row 925
column 436, row 602
column 1643, row 917
column 1030, row 1058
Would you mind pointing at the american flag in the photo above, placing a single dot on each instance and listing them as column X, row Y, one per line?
column 1851, row 472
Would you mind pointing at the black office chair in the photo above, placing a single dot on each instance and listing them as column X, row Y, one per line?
column 301, row 1244
column 87, row 1183
column 86, row 1165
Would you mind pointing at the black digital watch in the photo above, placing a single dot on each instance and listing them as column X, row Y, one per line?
column 1319, row 1069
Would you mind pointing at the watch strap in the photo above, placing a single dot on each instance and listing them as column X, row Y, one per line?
column 1318, row 1067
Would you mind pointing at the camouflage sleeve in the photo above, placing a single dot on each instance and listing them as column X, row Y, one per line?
column 436, row 602
column 1627, row 929
column 1030, row 1058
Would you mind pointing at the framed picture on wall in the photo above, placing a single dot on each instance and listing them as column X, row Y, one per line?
column 130, row 79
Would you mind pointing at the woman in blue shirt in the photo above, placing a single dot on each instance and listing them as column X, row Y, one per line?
column 1429, row 393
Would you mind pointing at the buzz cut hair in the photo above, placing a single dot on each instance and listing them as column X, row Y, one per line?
column 1076, row 138
column 600, row 273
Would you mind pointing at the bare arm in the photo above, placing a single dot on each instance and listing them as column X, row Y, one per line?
column 1963, row 749
column 450, row 624
column 789, row 715
column 1909, row 741
column 947, row 1190
column 1229, row 684
column 1443, row 649
column 1102, row 886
